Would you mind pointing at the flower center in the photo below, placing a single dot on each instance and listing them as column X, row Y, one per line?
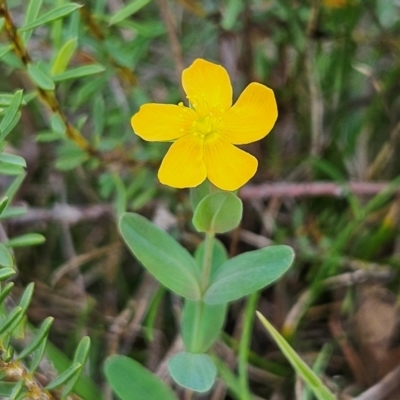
column 205, row 126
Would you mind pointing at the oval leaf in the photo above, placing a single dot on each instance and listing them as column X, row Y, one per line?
column 194, row 371
column 201, row 324
column 161, row 255
column 218, row 212
column 131, row 381
column 247, row 273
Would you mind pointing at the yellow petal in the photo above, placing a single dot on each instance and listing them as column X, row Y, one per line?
column 162, row 122
column 183, row 165
column 207, row 86
column 252, row 116
column 228, row 167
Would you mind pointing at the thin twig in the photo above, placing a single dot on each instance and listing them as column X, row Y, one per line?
column 173, row 39
column 383, row 388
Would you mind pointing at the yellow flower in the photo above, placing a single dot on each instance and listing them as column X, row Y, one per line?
column 205, row 133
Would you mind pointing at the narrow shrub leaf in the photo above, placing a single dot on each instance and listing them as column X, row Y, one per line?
column 131, row 381
column 52, row 15
column 128, row 10
column 6, row 273
column 5, row 257
column 4, row 50
column 40, row 77
column 40, row 336
column 64, row 56
column 10, row 113
column 320, row 391
column 63, row 378
column 31, row 15
column 12, row 159
column 29, row 239
column 79, row 72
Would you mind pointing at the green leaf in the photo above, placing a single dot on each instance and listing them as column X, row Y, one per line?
column 201, row 324
column 6, row 389
column 12, row 159
column 17, row 390
column 128, row 10
column 51, row 16
column 45, row 137
column 3, row 204
column 81, row 355
column 13, row 315
column 247, row 273
column 57, row 124
column 9, row 169
column 11, row 113
column 12, row 189
column 64, row 56
column 199, row 192
column 70, row 373
column 27, row 296
column 6, row 273
column 308, row 375
column 5, row 49
column 79, row 72
column 82, row 350
column 29, row 239
column 10, row 126
column 6, row 290
column 12, row 212
column 40, row 77
column 131, row 381
column 218, row 212
column 194, row 371
column 70, row 156
column 40, row 336
column 5, row 257
column 37, row 356
column 31, row 15
column 219, row 255
column 231, row 13
column 161, row 255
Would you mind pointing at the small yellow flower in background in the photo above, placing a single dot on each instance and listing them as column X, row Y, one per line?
column 205, row 133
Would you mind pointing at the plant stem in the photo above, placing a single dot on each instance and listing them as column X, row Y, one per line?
column 244, row 345
column 207, row 258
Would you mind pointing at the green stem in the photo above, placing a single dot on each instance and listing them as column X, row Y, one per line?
column 244, row 345
column 207, row 258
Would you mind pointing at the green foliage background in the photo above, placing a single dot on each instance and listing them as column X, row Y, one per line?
column 72, row 75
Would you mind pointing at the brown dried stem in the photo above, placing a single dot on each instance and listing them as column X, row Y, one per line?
column 311, row 189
